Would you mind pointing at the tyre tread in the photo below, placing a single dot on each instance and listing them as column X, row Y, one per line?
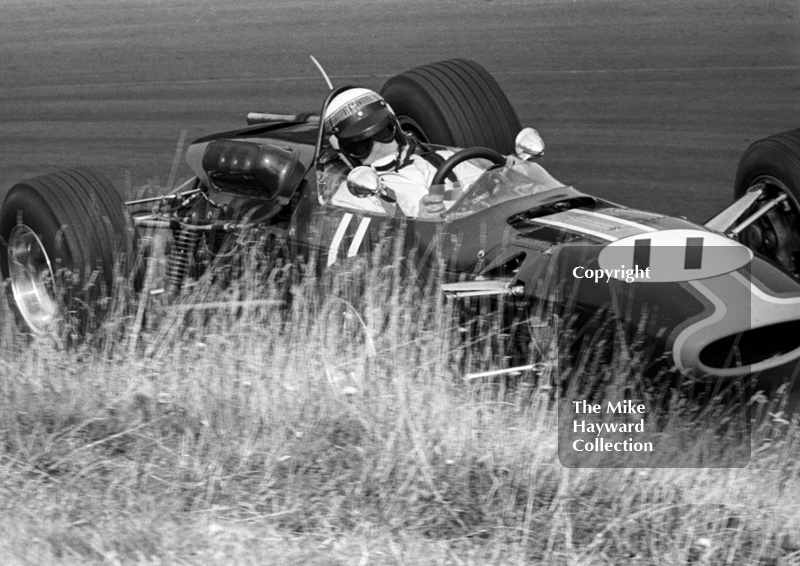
column 460, row 101
column 778, row 154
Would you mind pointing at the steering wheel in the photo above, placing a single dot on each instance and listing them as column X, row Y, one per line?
column 465, row 154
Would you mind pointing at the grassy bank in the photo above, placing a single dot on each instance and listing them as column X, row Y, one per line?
column 261, row 436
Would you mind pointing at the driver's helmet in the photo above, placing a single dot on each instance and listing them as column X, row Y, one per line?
column 356, row 116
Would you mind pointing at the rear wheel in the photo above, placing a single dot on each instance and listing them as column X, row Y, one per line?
column 455, row 103
column 65, row 236
column 774, row 162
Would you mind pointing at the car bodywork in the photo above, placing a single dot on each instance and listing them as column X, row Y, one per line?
column 513, row 234
column 518, row 235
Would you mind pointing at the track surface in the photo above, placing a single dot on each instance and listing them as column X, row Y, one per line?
column 649, row 104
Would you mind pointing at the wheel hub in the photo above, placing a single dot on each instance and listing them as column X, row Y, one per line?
column 31, row 277
column 773, row 234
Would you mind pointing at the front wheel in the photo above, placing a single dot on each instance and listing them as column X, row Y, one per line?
column 775, row 163
column 64, row 237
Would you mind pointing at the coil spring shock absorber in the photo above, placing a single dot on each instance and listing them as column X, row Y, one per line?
column 181, row 258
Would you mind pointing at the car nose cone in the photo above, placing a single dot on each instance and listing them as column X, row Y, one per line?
column 675, row 255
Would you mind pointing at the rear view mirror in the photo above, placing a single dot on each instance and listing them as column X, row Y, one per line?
column 529, row 144
column 363, row 182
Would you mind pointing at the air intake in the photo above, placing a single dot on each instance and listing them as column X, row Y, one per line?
column 752, row 346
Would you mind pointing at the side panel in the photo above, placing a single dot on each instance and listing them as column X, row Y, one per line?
column 325, row 236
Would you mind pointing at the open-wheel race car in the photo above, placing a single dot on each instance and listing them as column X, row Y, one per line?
column 723, row 303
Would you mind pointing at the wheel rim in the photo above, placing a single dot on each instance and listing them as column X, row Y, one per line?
column 348, row 344
column 32, row 281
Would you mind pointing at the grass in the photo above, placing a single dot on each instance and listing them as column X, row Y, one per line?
column 285, row 436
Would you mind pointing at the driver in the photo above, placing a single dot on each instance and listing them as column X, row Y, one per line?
column 365, row 131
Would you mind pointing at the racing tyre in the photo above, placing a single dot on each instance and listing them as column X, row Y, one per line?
column 455, row 103
column 774, row 162
column 64, row 237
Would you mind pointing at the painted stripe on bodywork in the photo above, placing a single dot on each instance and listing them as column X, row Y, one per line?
column 762, row 295
column 333, row 251
column 630, row 223
column 596, row 224
column 574, row 228
column 734, row 314
column 719, row 313
column 359, row 237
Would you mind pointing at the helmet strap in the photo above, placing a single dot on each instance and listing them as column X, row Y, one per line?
column 409, row 152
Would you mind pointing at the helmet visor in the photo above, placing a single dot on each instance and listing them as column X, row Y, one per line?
column 361, row 148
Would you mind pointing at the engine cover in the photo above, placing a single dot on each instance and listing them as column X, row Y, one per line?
column 254, row 170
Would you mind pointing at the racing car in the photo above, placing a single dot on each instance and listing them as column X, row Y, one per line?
column 720, row 300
